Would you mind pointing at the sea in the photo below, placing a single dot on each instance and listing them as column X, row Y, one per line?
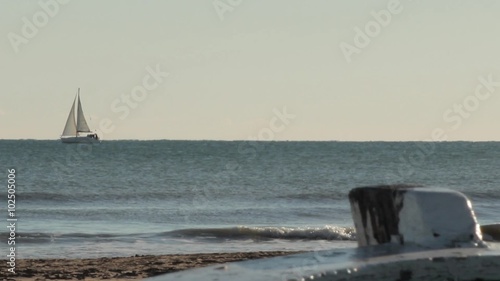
column 130, row 197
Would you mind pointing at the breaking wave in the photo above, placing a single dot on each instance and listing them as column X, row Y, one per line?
column 327, row 232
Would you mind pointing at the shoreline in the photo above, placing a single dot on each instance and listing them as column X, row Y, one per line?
column 124, row 268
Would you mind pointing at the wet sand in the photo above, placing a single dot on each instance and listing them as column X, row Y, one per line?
column 122, row 268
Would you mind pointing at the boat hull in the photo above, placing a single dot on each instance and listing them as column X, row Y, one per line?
column 79, row 139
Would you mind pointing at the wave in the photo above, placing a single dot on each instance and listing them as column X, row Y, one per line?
column 94, row 196
column 327, row 232
column 40, row 237
column 314, row 196
column 264, row 233
column 218, row 235
column 482, row 195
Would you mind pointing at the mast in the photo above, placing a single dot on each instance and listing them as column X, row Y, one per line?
column 76, row 118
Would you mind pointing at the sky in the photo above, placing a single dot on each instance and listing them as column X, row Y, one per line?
column 252, row 70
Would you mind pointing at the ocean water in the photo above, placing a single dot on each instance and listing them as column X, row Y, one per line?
column 121, row 198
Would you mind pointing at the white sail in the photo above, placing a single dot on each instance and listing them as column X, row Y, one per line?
column 70, row 127
column 81, row 124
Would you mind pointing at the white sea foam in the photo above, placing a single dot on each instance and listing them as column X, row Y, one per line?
column 327, row 232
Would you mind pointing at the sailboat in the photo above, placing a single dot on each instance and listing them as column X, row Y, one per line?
column 76, row 129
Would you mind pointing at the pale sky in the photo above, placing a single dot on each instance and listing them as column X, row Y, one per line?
column 228, row 69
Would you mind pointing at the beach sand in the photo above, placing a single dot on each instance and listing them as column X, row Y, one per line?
column 122, row 268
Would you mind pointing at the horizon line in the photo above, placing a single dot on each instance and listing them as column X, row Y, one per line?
column 248, row 140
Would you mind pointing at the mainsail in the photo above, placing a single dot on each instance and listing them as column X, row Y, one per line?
column 70, row 127
column 81, row 123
